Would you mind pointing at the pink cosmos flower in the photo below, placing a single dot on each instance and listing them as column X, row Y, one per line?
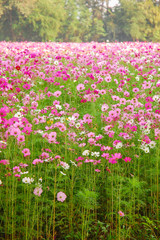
column 38, row 191
column 148, row 105
column 15, row 131
column 27, row 130
column 121, row 213
column 104, row 107
column 21, row 138
column 27, row 86
column 16, row 169
column 26, row 152
column 61, row 196
column 127, row 159
column 91, row 141
column 4, row 162
column 17, row 175
column 36, row 161
column 80, row 87
column 57, row 93
column 122, row 101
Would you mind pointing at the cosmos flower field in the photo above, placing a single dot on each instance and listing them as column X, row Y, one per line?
column 79, row 141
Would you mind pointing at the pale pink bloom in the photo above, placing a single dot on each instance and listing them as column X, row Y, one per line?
column 102, row 91
column 146, row 85
column 80, row 87
column 52, row 135
column 21, row 138
column 57, row 93
column 91, row 134
column 44, row 155
column 122, row 101
column 82, row 144
column 104, row 107
column 38, row 191
column 56, row 102
column 36, row 161
column 34, row 105
column 61, row 196
column 108, row 78
column 35, row 120
column 15, row 131
column 93, row 86
column 126, row 94
column 91, row 141
column 115, row 98
column 135, row 90
column 112, row 114
column 76, row 115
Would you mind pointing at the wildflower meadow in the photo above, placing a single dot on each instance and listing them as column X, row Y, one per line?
column 79, row 141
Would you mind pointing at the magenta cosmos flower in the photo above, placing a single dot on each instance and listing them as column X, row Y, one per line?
column 26, row 152
column 61, row 196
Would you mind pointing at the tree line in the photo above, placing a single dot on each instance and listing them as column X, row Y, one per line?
column 79, row 20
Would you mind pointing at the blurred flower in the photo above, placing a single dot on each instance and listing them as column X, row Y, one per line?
column 27, row 180
column 4, row 162
column 38, row 191
column 61, row 196
column 121, row 213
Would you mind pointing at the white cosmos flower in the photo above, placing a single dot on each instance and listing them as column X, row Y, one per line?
column 58, row 107
column 65, row 165
column 56, row 62
column 152, row 144
column 146, row 131
column 95, row 154
column 27, row 180
column 146, row 149
column 23, row 173
column 18, row 115
column 119, row 145
column 73, row 163
column 71, row 118
column 156, row 97
column 78, row 125
column 85, row 153
column 62, row 119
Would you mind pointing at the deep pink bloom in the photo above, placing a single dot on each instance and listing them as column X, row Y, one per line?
column 4, row 162
column 148, row 105
column 127, row 159
column 27, row 86
column 26, row 152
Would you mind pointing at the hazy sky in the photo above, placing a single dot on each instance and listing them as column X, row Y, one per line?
column 112, row 3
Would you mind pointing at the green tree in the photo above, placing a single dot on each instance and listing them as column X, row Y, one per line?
column 32, row 20
column 11, row 13
column 151, row 13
